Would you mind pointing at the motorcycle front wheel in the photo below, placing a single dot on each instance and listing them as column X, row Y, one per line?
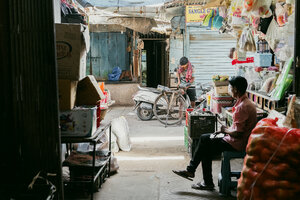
column 143, row 114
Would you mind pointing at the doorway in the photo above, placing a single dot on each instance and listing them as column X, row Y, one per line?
column 154, row 63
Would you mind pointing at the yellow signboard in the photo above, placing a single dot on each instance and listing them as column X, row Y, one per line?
column 196, row 13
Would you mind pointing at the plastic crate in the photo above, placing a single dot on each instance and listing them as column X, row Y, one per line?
column 202, row 123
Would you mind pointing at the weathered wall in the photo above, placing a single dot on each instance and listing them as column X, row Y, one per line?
column 29, row 118
column 108, row 50
column 122, row 93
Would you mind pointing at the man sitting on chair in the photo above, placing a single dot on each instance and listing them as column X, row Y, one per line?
column 235, row 139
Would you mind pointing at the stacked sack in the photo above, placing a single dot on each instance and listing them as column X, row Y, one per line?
column 271, row 166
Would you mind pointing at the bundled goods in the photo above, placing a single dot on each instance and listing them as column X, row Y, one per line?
column 220, row 84
column 271, row 166
column 217, row 78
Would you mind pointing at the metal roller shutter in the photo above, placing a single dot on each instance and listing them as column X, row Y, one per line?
column 208, row 51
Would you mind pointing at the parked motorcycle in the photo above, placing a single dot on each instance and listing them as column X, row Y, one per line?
column 144, row 101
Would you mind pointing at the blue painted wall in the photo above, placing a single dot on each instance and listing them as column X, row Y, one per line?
column 108, row 50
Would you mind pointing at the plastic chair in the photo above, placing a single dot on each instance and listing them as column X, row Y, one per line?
column 225, row 183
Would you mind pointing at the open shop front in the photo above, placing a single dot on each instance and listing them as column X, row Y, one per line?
column 125, row 52
column 264, row 53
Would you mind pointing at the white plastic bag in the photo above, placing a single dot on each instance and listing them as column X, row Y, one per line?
column 272, row 35
column 114, row 165
column 247, row 42
column 120, row 128
column 114, row 145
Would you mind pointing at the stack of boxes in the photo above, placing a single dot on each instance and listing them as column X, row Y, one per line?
column 221, row 87
column 75, row 88
column 220, row 98
column 79, row 95
column 221, row 101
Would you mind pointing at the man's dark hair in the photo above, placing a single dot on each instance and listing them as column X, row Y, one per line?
column 183, row 61
column 240, row 83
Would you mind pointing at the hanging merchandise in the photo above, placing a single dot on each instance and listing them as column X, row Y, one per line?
column 272, row 34
column 281, row 14
column 209, row 19
column 223, row 11
column 255, row 21
column 287, row 35
column 264, row 24
column 262, row 8
column 248, row 4
column 281, row 39
column 225, row 28
column 247, row 42
column 217, row 22
column 235, row 12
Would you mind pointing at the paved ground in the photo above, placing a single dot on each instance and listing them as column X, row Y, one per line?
column 145, row 172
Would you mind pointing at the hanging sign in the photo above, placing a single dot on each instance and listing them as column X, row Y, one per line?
column 196, row 13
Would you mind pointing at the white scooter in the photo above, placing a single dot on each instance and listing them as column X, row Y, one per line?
column 144, row 101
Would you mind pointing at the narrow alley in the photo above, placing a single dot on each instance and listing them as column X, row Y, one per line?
column 146, row 171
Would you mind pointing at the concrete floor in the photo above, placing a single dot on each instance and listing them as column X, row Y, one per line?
column 145, row 172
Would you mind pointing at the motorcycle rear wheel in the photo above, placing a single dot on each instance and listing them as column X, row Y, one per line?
column 143, row 114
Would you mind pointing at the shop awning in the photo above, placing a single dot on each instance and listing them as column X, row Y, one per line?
column 120, row 3
column 142, row 25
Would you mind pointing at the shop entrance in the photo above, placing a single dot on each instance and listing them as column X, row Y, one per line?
column 154, row 63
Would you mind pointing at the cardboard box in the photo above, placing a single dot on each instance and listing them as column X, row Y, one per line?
column 88, row 92
column 67, row 94
column 219, row 90
column 79, row 122
column 72, row 45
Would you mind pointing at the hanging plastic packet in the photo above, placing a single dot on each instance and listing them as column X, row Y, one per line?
column 248, row 4
column 281, row 14
column 262, row 8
